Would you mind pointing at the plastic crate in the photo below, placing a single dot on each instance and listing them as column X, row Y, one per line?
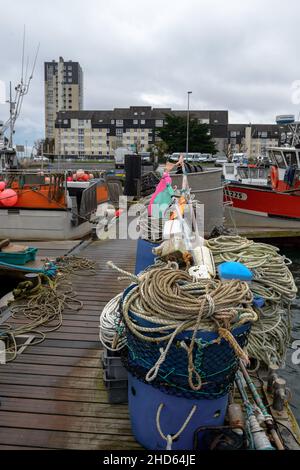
column 113, row 366
column 117, row 389
column 19, row 258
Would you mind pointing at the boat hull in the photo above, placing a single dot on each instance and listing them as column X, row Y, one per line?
column 255, row 206
column 39, row 224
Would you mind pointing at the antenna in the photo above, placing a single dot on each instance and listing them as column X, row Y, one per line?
column 23, row 52
column 21, row 89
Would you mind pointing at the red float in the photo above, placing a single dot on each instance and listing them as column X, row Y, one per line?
column 8, row 197
column 2, row 185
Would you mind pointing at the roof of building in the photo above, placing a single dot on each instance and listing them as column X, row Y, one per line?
column 142, row 112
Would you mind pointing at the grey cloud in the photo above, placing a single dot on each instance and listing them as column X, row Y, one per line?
column 233, row 55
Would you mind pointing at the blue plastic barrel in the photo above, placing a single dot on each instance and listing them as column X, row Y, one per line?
column 144, row 255
column 144, row 401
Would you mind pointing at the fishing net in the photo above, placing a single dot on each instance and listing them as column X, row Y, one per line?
column 214, row 359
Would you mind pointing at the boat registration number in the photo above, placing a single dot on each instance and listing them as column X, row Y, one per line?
column 236, row 195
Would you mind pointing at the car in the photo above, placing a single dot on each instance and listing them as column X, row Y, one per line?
column 40, row 159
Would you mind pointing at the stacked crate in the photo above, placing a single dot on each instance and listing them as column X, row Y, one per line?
column 115, row 377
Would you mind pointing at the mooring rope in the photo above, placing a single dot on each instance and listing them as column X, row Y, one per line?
column 42, row 305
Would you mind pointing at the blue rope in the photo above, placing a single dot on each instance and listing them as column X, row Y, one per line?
column 51, row 271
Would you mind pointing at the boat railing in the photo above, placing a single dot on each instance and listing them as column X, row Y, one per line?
column 88, row 203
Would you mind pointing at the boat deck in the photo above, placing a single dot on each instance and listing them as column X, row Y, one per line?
column 52, row 396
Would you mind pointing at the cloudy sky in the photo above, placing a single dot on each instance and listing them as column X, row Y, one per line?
column 235, row 55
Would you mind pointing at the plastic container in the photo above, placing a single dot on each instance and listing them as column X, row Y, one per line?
column 217, row 361
column 144, row 255
column 144, row 401
column 117, row 389
column 113, row 366
column 19, row 258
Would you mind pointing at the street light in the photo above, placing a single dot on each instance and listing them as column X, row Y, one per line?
column 187, row 123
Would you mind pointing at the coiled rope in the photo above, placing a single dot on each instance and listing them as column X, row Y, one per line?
column 41, row 306
column 272, row 281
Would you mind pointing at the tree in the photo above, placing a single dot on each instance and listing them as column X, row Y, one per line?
column 174, row 135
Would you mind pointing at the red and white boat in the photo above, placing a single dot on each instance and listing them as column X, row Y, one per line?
column 276, row 205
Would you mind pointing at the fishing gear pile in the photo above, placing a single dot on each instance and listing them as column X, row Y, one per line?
column 185, row 337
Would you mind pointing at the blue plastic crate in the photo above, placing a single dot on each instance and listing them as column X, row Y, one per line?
column 19, row 258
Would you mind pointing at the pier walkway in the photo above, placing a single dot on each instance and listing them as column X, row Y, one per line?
column 52, row 396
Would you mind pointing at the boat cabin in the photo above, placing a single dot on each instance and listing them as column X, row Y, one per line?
column 246, row 174
column 285, row 171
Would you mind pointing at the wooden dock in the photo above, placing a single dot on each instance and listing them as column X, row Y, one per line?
column 52, row 396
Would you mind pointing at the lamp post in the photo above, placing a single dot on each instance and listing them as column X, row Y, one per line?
column 187, row 123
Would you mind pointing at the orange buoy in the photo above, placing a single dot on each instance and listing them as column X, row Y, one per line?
column 8, row 197
column 2, row 185
column 274, row 177
column 85, row 177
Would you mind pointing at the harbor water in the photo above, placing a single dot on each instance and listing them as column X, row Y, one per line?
column 291, row 371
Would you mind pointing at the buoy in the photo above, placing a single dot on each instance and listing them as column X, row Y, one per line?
column 274, row 177
column 91, row 176
column 47, row 179
column 8, row 197
column 69, row 178
column 85, row 177
column 74, row 177
column 2, row 185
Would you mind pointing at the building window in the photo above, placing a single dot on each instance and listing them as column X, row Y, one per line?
column 203, row 121
column 119, row 122
column 135, row 122
column 80, row 123
column 263, row 135
column 135, row 113
column 112, row 121
column 143, row 122
column 119, row 132
column 233, row 134
column 159, row 123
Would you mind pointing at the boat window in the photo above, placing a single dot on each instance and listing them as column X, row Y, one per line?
column 279, row 159
column 291, row 158
column 243, row 173
column 229, row 170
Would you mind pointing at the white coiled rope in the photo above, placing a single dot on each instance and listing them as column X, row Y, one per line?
column 110, row 328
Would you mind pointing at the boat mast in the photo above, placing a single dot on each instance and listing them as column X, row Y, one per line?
column 22, row 88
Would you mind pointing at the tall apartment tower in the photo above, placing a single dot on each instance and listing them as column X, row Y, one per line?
column 63, row 91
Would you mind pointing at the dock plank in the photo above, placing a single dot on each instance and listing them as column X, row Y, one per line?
column 53, row 395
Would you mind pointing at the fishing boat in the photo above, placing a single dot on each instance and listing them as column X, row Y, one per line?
column 43, row 205
column 276, row 205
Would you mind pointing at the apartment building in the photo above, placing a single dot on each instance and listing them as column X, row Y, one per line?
column 99, row 133
column 63, row 91
column 252, row 139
